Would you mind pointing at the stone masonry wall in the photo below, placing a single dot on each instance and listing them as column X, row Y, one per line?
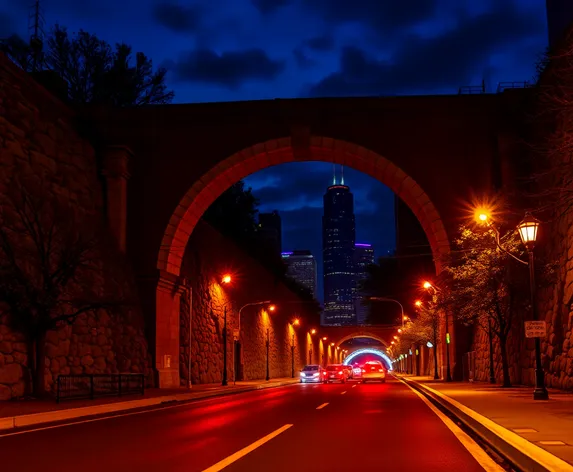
column 209, row 256
column 38, row 141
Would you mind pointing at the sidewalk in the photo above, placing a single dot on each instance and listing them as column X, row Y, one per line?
column 16, row 414
column 520, row 428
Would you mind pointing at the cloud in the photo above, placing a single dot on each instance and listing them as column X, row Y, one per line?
column 383, row 16
column 178, row 18
column 301, row 59
column 228, row 69
column 320, row 43
column 269, row 6
column 427, row 64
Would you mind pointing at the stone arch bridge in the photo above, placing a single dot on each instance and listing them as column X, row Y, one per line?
column 339, row 334
column 164, row 165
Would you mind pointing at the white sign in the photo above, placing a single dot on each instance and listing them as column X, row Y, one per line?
column 236, row 334
column 535, row 329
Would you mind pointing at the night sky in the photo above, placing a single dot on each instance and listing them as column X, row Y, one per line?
column 226, row 50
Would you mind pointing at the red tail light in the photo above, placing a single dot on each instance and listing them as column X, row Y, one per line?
column 380, row 370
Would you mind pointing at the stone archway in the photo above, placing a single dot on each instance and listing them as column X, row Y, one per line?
column 279, row 151
column 240, row 165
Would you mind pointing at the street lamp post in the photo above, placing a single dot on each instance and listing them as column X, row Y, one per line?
column 238, row 340
column 292, row 356
column 224, row 383
column 226, row 280
column 268, row 376
column 528, row 232
column 384, row 299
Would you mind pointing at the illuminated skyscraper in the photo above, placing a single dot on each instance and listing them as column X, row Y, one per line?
column 338, row 238
column 301, row 266
column 363, row 257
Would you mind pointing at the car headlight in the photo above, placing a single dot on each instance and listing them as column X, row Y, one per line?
column 315, row 375
column 302, row 374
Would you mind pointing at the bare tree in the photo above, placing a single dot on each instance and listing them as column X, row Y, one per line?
column 94, row 71
column 47, row 252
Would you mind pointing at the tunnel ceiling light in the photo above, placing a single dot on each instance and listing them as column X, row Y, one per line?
column 376, row 352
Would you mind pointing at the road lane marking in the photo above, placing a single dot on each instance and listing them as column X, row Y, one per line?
column 246, row 450
column 525, row 430
column 552, row 443
column 321, row 406
column 342, row 393
column 482, row 458
column 354, row 386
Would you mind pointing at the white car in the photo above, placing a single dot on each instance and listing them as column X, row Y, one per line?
column 373, row 370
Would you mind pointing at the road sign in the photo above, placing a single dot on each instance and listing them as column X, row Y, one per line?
column 535, row 329
column 236, row 334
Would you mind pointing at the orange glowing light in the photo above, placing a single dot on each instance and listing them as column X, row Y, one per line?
column 325, row 338
column 399, row 330
column 313, row 331
column 296, row 322
column 272, row 307
column 226, row 279
column 427, row 285
column 332, row 344
column 418, row 303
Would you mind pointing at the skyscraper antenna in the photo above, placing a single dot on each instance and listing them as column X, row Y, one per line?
column 36, row 29
column 333, row 173
column 342, row 175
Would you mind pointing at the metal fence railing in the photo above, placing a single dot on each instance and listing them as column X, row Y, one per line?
column 469, row 366
column 76, row 387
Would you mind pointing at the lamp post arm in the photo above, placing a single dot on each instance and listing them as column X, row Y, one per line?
column 265, row 302
column 384, row 299
column 498, row 244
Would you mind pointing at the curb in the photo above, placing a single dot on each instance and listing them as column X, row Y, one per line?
column 514, row 448
column 21, row 421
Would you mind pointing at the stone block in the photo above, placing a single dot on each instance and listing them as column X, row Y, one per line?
column 10, row 373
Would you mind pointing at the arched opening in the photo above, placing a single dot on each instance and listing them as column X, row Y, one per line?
column 375, row 352
column 240, row 165
column 363, row 335
column 279, row 151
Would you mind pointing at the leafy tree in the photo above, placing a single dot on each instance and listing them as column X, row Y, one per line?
column 94, row 71
column 489, row 286
column 46, row 255
column 425, row 327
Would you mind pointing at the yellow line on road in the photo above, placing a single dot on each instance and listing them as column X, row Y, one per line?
column 246, row 450
column 342, row 393
column 321, row 406
column 483, row 459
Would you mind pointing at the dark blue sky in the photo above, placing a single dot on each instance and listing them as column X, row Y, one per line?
column 221, row 50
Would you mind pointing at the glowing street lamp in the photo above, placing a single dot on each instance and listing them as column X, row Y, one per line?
column 428, row 285
column 528, row 228
column 313, row 331
column 296, row 322
column 272, row 307
column 226, row 279
column 418, row 303
column 325, row 338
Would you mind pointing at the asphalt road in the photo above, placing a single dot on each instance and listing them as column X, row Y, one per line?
column 362, row 427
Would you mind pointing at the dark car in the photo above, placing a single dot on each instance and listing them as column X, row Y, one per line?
column 336, row 372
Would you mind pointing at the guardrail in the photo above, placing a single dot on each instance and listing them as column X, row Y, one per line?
column 83, row 386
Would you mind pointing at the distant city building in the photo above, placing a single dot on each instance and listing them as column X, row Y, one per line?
column 270, row 231
column 301, row 266
column 338, row 239
column 363, row 257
